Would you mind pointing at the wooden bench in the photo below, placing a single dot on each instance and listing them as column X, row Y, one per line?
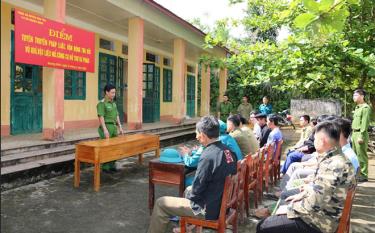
column 107, row 150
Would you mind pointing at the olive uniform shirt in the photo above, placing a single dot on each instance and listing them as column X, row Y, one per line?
column 225, row 109
column 244, row 110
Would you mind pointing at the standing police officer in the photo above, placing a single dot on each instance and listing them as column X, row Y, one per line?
column 109, row 120
column 361, row 120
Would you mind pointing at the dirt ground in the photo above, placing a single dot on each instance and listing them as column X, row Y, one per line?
column 121, row 205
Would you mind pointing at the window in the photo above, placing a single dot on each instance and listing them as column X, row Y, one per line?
column 190, row 69
column 74, row 85
column 124, row 49
column 12, row 17
column 167, row 85
column 167, row 61
column 106, row 44
column 152, row 58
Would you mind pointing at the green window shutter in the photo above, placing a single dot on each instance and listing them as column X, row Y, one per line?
column 74, row 85
column 167, row 85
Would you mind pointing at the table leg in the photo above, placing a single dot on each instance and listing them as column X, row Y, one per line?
column 140, row 159
column 97, row 176
column 77, row 173
column 157, row 153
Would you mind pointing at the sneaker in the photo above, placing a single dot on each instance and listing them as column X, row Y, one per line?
column 362, row 179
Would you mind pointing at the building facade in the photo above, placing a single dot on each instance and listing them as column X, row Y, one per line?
column 149, row 54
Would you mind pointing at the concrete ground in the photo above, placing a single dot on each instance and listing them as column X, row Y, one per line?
column 121, row 205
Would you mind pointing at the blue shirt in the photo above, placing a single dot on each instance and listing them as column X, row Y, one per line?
column 231, row 143
column 274, row 136
column 350, row 154
column 192, row 161
column 265, row 109
column 226, row 139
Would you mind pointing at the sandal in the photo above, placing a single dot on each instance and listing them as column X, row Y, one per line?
column 189, row 229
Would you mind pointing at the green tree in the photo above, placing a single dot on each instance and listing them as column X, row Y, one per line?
column 329, row 53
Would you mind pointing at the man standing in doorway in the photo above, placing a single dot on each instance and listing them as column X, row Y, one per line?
column 361, row 119
column 245, row 108
column 109, row 120
column 225, row 108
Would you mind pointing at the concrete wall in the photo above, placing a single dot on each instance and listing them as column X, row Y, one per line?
column 314, row 108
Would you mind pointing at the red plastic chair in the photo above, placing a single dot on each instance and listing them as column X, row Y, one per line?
column 228, row 210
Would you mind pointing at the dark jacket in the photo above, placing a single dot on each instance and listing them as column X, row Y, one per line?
column 215, row 164
column 310, row 144
column 265, row 131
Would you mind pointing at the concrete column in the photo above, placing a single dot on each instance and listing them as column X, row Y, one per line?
column 205, row 90
column 196, row 89
column 179, row 80
column 5, row 68
column 222, row 83
column 53, row 82
column 135, row 65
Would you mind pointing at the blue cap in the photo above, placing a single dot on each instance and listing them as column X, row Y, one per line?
column 223, row 127
column 170, row 156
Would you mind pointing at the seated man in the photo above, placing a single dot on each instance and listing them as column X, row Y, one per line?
column 264, row 130
column 309, row 167
column 255, row 125
column 306, row 130
column 307, row 148
column 254, row 144
column 191, row 157
column 318, row 207
column 241, row 137
column 204, row 200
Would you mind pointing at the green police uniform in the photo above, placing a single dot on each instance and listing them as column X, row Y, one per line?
column 225, row 109
column 244, row 110
column 361, row 120
column 108, row 110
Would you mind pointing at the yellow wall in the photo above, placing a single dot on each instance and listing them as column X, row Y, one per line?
column 5, row 62
column 78, row 110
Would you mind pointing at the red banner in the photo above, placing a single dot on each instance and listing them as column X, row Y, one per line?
column 43, row 42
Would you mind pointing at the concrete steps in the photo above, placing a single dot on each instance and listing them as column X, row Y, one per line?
column 35, row 162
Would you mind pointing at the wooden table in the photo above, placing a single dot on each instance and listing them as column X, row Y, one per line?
column 107, row 150
column 165, row 173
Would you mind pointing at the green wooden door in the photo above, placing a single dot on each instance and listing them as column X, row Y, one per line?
column 190, row 103
column 26, row 96
column 157, row 94
column 151, row 93
column 107, row 72
column 120, row 88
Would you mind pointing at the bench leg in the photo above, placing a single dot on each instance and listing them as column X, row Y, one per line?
column 77, row 173
column 140, row 159
column 151, row 196
column 97, row 177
